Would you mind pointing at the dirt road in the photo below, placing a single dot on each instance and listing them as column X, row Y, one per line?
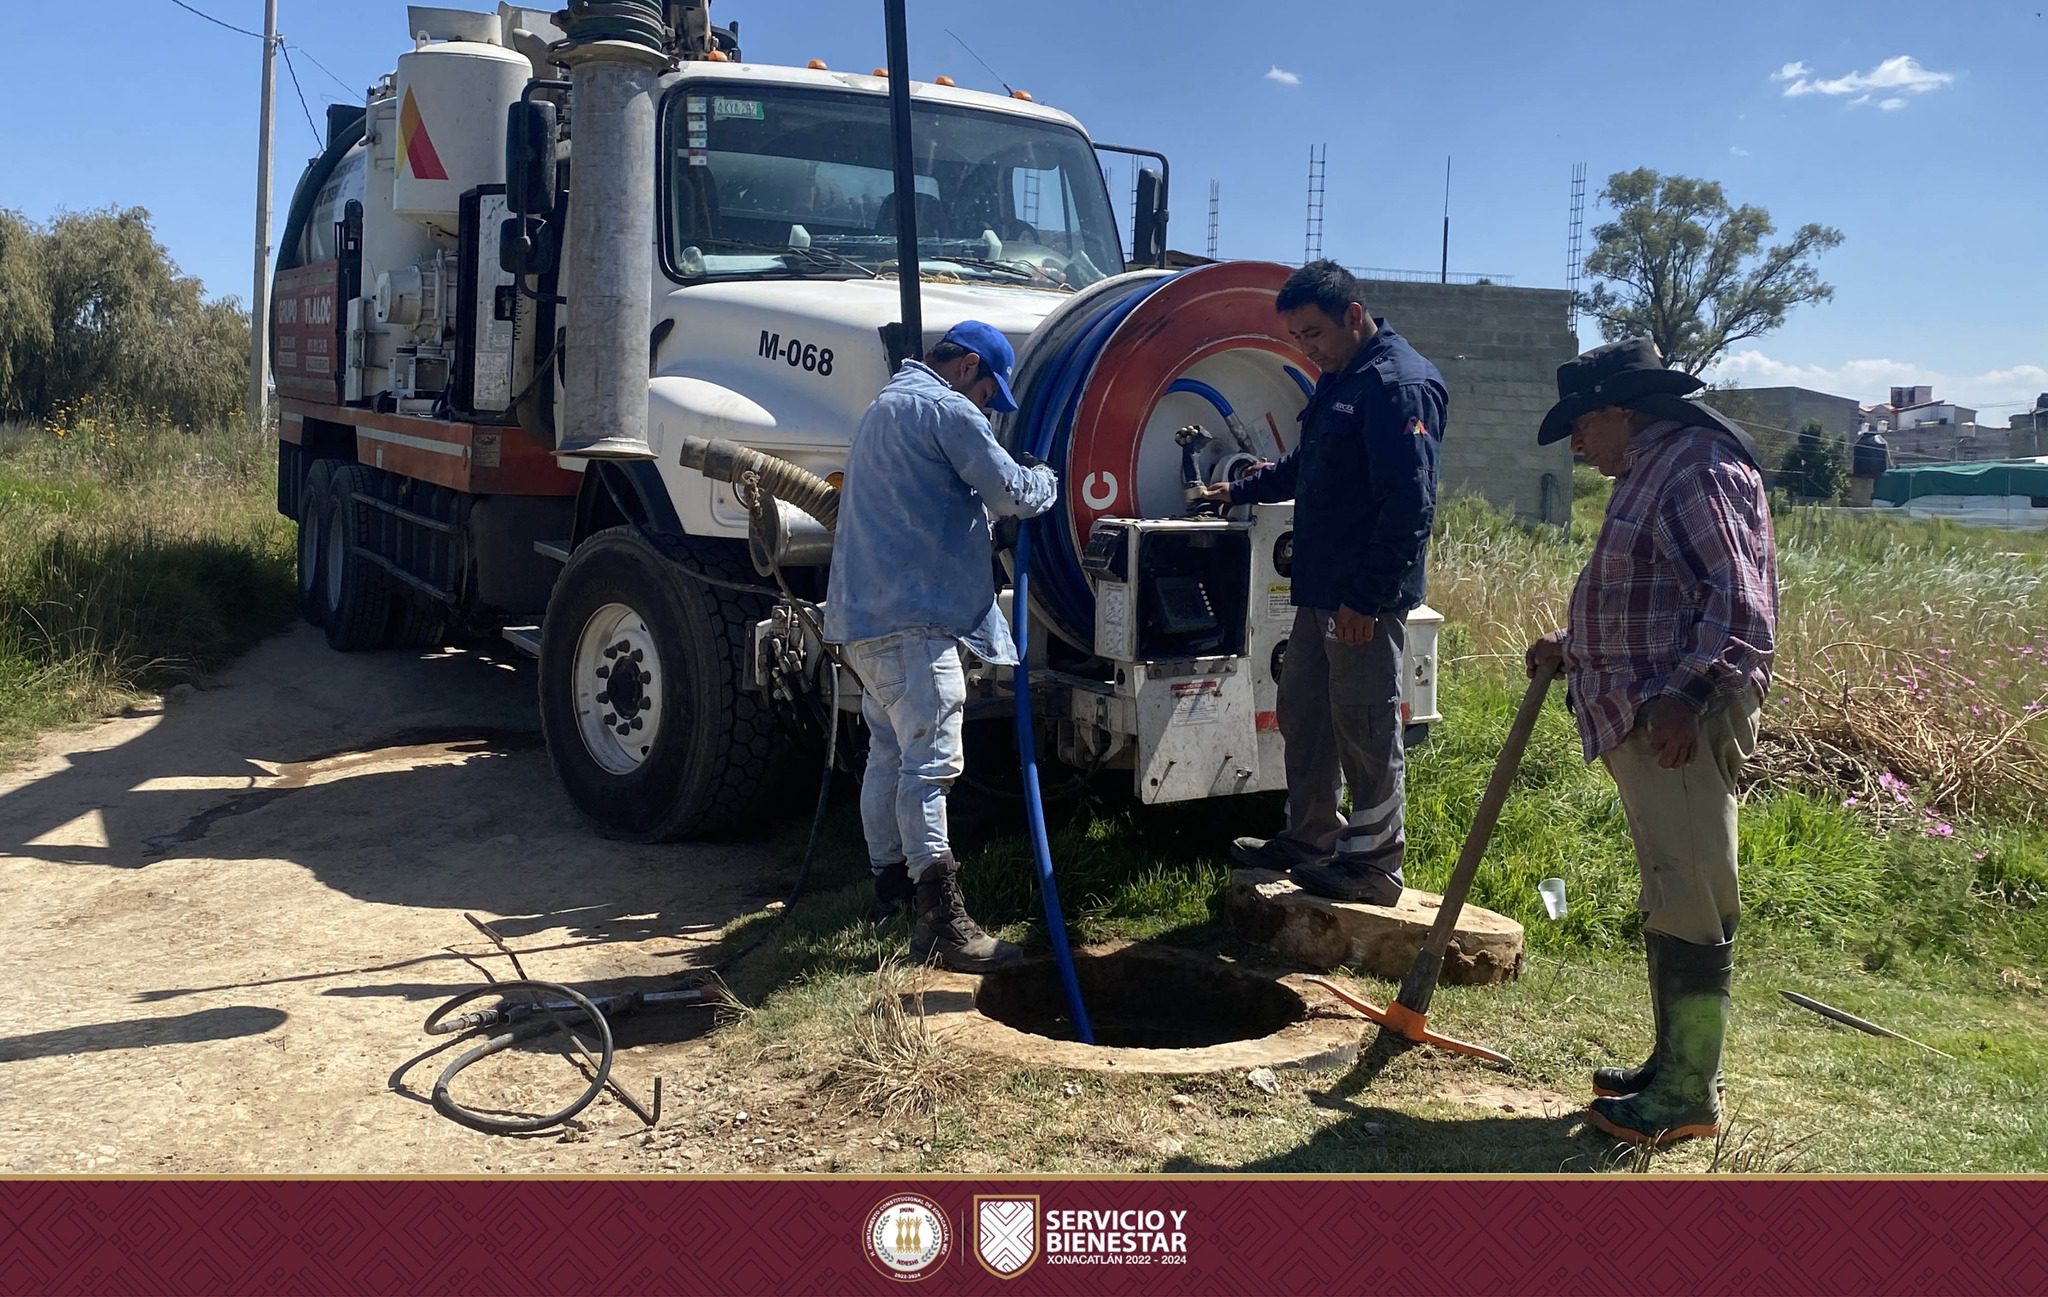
column 222, row 924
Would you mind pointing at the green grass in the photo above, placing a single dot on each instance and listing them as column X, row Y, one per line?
column 130, row 559
column 1867, row 905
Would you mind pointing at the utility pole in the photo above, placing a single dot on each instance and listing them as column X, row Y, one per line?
column 259, row 297
column 1443, row 274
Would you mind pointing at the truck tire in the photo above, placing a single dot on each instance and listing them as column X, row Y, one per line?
column 312, row 543
column 417, row 622
column 357, row 595
column 683, row 747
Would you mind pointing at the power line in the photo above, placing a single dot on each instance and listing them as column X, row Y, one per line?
column 244, row 31
column 215, row 21
column 346, row 87
column 286, row 50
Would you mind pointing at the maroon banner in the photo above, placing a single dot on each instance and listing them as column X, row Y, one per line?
column 1614, row 1234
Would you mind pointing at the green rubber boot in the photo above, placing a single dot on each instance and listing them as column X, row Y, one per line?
column 1613, row 1082
column 1681, row 1100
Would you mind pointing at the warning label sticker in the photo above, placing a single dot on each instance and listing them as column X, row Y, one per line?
column 1197, row 702
column 1279, row 600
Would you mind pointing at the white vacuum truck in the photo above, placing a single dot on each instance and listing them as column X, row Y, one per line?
column 544, row 265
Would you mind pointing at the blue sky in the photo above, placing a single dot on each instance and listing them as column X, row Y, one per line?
column 1915, row 128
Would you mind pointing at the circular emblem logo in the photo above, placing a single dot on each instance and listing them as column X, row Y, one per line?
column 907, row 1237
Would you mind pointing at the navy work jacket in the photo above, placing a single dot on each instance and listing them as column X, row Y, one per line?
column 1363, row 481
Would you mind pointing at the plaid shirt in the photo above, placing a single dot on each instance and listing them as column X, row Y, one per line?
column 1680, row 597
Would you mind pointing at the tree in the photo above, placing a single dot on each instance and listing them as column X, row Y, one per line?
column 24, row 314
column 1817, row 467
column 93, row 304
column 1680, row 265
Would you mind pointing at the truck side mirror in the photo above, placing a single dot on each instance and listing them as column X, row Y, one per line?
column 1148, row 232
column 530, row 158
column 527, row 246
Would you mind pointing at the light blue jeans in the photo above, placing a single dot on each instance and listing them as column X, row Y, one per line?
column 914, row 702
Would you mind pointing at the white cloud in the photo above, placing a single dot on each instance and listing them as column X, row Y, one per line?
column 1283, row 76
column 1994, row 393
column 1738, row 150
column 1901, row 74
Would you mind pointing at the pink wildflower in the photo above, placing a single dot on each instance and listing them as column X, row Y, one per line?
column 1942, row 830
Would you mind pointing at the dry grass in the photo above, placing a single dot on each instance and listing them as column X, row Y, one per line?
column 1912, row 655
column 888, row 1062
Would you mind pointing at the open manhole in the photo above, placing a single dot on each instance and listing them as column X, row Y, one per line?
column 1153, row 1010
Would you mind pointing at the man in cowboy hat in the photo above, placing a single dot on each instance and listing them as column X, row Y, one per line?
column 1667, row 651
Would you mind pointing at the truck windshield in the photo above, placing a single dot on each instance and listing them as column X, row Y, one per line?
column 776, row 182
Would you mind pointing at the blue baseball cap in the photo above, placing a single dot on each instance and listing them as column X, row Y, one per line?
column 986, row 341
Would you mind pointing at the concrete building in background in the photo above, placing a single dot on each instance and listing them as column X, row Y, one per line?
column 1498, row 348
column 1942, row 430
column 2028, row 432
column 1774, row 415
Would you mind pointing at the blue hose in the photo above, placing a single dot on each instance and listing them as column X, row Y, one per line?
column 1196, row 387
column 1047, row 435
column 1034, row 809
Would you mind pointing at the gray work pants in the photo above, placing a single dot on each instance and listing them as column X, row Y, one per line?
column 1340, row 718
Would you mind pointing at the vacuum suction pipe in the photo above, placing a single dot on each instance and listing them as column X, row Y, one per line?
column 615, row 53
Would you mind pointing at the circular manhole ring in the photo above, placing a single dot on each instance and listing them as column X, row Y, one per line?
column 1322, row 1033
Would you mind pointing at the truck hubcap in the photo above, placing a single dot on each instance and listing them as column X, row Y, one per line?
column 309, row 550
column 617, row 676
column 334, row 540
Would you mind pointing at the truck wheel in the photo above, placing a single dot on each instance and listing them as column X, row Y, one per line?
column 651, row 719
column 312, row 525
column 417, row 622
column 357, row 596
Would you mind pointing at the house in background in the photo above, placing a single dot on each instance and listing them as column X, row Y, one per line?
column 1926, row 429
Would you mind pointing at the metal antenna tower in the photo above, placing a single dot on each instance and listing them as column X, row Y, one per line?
column 1574, row 247
column 1215, row 203
column 1030, row 212
column 1318, row 155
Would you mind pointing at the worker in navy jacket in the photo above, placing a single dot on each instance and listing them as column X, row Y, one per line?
column 1363, row 481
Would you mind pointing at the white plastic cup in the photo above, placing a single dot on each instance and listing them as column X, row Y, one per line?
column 1553, row 897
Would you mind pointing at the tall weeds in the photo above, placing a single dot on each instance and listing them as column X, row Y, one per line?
column 131, row 557
column 1909, row 652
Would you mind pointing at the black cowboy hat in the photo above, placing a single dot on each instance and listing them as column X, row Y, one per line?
column 1629, row 373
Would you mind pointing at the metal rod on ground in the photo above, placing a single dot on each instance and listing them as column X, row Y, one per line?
column 1408, row 1016
column 905, row 198
column 259, row 294
column 1851, row 1020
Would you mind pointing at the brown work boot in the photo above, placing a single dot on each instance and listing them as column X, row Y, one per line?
column 944, row 931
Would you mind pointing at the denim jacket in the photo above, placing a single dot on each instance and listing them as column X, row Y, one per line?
column 913, row 549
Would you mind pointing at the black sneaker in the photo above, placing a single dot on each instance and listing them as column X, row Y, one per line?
column 1348, row 880
column 1276, row 854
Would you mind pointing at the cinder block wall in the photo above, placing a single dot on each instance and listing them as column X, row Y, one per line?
column 1499, row 349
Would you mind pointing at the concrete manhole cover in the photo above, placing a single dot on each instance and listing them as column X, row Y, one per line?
column 1154, row 1010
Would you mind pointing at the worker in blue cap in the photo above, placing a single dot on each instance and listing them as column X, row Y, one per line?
column 912, row 587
